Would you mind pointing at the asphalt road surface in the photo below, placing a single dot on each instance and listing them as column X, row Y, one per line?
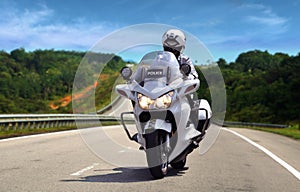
column 63, row 162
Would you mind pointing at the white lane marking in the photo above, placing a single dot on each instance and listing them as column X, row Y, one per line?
column 38, row 135
column 291, row 169
column 127, row 149
column 78, row 173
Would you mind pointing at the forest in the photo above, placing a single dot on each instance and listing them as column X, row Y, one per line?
column 260, row 87
column 42, row 81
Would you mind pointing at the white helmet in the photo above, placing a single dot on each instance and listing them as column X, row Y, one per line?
column 174, row 39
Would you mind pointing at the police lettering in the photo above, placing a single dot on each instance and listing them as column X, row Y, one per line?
column 155, row 73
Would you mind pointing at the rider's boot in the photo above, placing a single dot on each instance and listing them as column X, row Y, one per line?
column 135, row 138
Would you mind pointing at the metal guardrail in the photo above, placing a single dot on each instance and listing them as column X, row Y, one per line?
column 248, row 124
column 37, row 121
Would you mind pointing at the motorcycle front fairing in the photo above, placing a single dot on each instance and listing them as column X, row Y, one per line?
column 157, row 75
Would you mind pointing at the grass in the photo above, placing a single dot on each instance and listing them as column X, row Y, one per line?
column 292, row 132
column 23, row 132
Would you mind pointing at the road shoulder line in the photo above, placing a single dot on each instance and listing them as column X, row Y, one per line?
column 284, row 164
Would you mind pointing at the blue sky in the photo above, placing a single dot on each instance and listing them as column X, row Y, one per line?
column 227, row 28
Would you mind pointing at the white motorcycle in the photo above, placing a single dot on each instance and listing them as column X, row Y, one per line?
column 169, row 123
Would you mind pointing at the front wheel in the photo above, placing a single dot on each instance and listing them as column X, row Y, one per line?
column 179, row 164
column 157, row 153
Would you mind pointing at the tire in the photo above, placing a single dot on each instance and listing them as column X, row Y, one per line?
column 157, row 156
column 179, row 164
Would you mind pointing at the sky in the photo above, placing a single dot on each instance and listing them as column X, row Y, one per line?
column 227, row 28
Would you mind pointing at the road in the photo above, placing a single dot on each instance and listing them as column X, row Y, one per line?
column 120, row 106
column 63, row 162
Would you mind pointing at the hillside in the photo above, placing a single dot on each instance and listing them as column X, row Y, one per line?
column 261, row 87
column 41, row 81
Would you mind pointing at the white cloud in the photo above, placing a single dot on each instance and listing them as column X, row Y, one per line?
column 266, row 16
column 268, row 20
column 38, row 29
column 209, row 23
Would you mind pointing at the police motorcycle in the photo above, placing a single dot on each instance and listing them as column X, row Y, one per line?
column 169, row 124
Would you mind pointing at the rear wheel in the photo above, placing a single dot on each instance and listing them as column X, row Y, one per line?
column 157, row 154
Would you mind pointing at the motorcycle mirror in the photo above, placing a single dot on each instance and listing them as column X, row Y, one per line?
column 185, row 69
column 126, row 73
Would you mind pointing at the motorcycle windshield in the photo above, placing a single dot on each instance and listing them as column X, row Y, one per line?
column 157, row 69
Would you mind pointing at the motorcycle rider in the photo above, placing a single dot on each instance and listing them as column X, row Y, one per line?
column 174, row 40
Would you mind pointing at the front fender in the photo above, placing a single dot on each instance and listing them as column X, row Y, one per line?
column 157, row 124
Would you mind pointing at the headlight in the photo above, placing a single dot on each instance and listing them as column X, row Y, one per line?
column 162, row 102
column 144, row 101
